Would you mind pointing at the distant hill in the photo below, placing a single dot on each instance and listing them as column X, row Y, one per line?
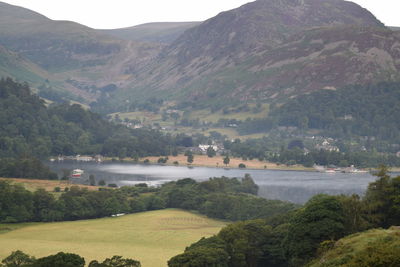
column 82, row 59
column 29, row 127
column 158, row 32
column 267, row 51
column 264, row 51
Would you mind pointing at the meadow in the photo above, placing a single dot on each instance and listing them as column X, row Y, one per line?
column 218, row 161
column 150, row 237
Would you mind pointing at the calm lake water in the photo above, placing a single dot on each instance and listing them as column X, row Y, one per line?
column 294, row 186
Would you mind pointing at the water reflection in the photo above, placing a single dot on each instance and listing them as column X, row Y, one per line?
column 295, row 186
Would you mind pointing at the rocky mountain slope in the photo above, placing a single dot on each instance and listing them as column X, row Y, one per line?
column 156, row 32
column 268, row 50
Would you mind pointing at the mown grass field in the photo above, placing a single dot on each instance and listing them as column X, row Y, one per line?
column 151, row 237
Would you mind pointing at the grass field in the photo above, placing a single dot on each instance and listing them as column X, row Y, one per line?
column 48, row 185
column 151, row 237
column 218, row 161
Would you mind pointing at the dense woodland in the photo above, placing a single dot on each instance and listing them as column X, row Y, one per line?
column 356, row 110
column 296, row 237
column 263, row 149
column 29, row 128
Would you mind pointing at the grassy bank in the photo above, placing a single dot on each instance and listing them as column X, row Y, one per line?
column 151, row 237
column 48, row 185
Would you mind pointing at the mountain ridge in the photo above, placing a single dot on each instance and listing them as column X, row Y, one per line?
column 209, row 61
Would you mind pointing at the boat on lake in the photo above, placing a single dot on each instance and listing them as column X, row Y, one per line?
column 77, row 173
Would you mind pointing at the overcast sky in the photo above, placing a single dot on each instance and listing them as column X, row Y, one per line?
column 107, row 14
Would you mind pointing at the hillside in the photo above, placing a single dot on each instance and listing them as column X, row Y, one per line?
column 265, row 51
column 28, row 127
column 158, row 32
column 14, row 65
column 82, row 60
column 250, row 53
column 375, row 247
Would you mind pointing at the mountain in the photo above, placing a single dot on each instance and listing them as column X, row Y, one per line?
column 81, row 60
column 264, row 51
column 258, row 52
column 156, row 32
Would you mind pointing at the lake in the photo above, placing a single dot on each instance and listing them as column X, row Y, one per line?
column 294, row 186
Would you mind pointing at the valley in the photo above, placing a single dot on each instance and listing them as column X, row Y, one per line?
column 264, row 135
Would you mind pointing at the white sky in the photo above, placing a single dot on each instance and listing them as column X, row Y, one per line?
column 106, row 14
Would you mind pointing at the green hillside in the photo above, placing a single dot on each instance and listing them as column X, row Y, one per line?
column 377, row 247
column 150, row 237
column 28, row 127
column 14, row 65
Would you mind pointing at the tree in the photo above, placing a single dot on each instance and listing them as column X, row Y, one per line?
column 116, row 261
column 18, row 259
column 92, row 180
column 242, row 166
column 190, row 158
column 226, row 160
column 382, row 199
column 60, row 259
column 211, row 152
column 201, row 257
column 322, row 218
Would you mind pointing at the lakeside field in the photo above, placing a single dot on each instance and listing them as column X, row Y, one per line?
column 218, row 161
column 152, row 237
column 48, row 185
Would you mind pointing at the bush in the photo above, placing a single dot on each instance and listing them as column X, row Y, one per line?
column 242, row 166
column 57, row 189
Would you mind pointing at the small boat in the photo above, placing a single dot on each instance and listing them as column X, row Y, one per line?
column 330, row 171
column 77, row 173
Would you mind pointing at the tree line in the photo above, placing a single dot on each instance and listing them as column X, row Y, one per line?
column 61, row 259
column 223, row 198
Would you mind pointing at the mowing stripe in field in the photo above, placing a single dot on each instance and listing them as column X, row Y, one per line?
column 151, row 237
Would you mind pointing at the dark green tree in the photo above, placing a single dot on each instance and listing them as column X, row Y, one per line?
column 226, row 160
column 211, row 152
column 18, row 259
column 322, row 218
column 60, row 259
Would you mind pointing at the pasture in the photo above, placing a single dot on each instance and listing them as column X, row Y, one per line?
column 150, row 237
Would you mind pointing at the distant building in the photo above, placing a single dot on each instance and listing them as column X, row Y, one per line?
column 205, row 147
column 326, row 145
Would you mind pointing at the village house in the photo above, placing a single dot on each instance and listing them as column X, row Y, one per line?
column 326, row 145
